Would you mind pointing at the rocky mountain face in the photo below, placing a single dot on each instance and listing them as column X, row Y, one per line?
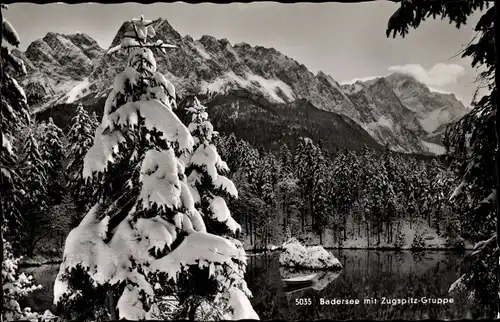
column 252, row 85
column 56, row 64
column 404, row 113
column 432, row 110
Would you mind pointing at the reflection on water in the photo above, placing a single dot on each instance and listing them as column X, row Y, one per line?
column 366, row 275
column 369, row 275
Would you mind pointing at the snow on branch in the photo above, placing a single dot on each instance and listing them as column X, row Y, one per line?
column 225, row 184
column 206, row 157
column 233, row 225
column 219, row 209
column 85, row 247
column 242, row 308
column 159, row 233
column 98, row 156
column 199, row 248
column 158, row 117
column 129, row 305
column 161, row 184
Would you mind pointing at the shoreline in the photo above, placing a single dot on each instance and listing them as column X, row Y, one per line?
column 34, row 263
column 385, row 248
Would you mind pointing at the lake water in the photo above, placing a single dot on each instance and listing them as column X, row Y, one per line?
column 367, row 275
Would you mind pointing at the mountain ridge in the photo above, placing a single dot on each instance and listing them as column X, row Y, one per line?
column 395, row 110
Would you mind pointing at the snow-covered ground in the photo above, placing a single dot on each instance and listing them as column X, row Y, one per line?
column 432, row 240
column 313, row 257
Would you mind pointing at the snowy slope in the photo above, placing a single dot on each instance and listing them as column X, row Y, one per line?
column 67, row 68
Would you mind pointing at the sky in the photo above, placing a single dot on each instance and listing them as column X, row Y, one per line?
column 346, row 41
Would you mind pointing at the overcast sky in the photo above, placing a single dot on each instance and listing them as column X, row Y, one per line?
column 346, row 41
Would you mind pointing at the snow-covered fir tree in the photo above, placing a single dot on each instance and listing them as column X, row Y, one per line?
column 303, row 164
column 142, row 252
column 95, row 121
column 309, row 164
column 14, row 114
column 321, row 209
column 80, row 140
column 52, row 153
column 469, row 143
column 36, row 182
column 344, row 189
column 380, row 198
column 36, row 199
column 264, row 183
column 205, row 170
column 286, row 160
column 442, row 187
column 321, row 199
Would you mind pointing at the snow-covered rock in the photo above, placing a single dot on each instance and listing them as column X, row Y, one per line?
column 313, row 257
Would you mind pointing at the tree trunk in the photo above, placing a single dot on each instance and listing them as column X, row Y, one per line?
column 379, row 228
column 311, row 208
column 284, row 222
column 246, row 223
column 254, row 228
column 339, row 236
column 368, row 232
column 438, row 220
column 264, row 239
column 251, row 231
column 302, row 217
column 335, row 239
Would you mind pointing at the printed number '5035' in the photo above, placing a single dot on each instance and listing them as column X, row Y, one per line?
column 303, row 301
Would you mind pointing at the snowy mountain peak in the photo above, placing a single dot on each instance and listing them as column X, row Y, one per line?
column 433, row 109
column 406, row 83
column 56, row 64
column 60, row 49
column 396, row 110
